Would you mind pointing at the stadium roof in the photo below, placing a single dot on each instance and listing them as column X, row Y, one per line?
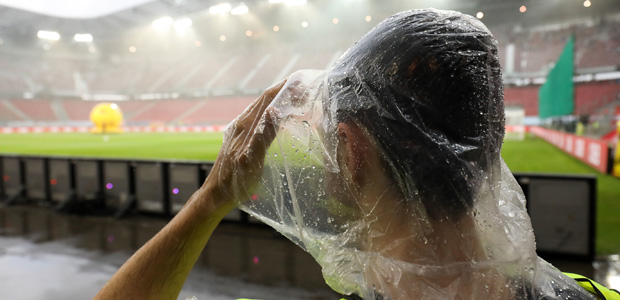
column 111, row 17
column 76, row 9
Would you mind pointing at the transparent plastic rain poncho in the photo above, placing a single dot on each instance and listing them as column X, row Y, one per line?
column 386, row 168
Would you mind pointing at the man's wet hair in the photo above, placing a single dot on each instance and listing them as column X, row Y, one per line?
column 426, row 85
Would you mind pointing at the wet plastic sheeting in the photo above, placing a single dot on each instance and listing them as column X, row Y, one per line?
column 566, row 228
column 87, row 180
column 149, row 187
column 184, row 182
column 116, row 183
column 11, row 176
column 387, row 169
column 35, row 178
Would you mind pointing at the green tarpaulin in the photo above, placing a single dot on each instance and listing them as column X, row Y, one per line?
column 555, row 97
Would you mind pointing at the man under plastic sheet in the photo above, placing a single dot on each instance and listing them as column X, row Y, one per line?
column 386, row 168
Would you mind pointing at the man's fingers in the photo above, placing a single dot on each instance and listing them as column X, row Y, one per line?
column 247, row 122
column 256, row 109
column 264, row 134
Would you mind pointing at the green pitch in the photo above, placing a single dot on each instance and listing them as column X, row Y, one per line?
column 531, row 155
column 185, row 146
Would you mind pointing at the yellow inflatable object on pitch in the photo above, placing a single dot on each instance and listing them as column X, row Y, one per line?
column 107, row 118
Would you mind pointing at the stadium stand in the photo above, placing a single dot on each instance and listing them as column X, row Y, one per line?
column 534, row 52
column 213, row 84
column 589, row 97
column 9, row 82
column 40, row 110
column 217, row 110
column 317, row 60
column 276, row 63
column 6, row 114
column 594, row 95
column 234, row 74
column 174, row 77
column 206, row 68
column 132, row 108
column 526, row 97
column 163, row 111
column 113, row 76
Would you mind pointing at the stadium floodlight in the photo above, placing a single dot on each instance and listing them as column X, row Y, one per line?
column 289, row 2
column 295, row 2
column 240, row 9
column 220, row 9
column 83, row 37
column 162, row 23
column 182, row 24
column 48, row 35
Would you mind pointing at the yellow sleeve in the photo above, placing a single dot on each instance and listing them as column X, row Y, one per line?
column 601, row 292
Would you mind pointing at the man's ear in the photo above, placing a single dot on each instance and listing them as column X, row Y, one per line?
column 353, row 146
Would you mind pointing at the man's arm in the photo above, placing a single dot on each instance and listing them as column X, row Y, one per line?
column 159, row 269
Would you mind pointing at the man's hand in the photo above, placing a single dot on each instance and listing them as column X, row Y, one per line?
column 239, row 164
column 159, row 268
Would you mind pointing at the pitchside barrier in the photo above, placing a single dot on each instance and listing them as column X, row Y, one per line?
column 85, row 129
column 562, row 207
column 592, row 152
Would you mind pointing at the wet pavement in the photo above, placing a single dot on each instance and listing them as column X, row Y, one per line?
column 49, row 255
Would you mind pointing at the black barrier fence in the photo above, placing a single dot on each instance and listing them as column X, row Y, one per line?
column 562, row 207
